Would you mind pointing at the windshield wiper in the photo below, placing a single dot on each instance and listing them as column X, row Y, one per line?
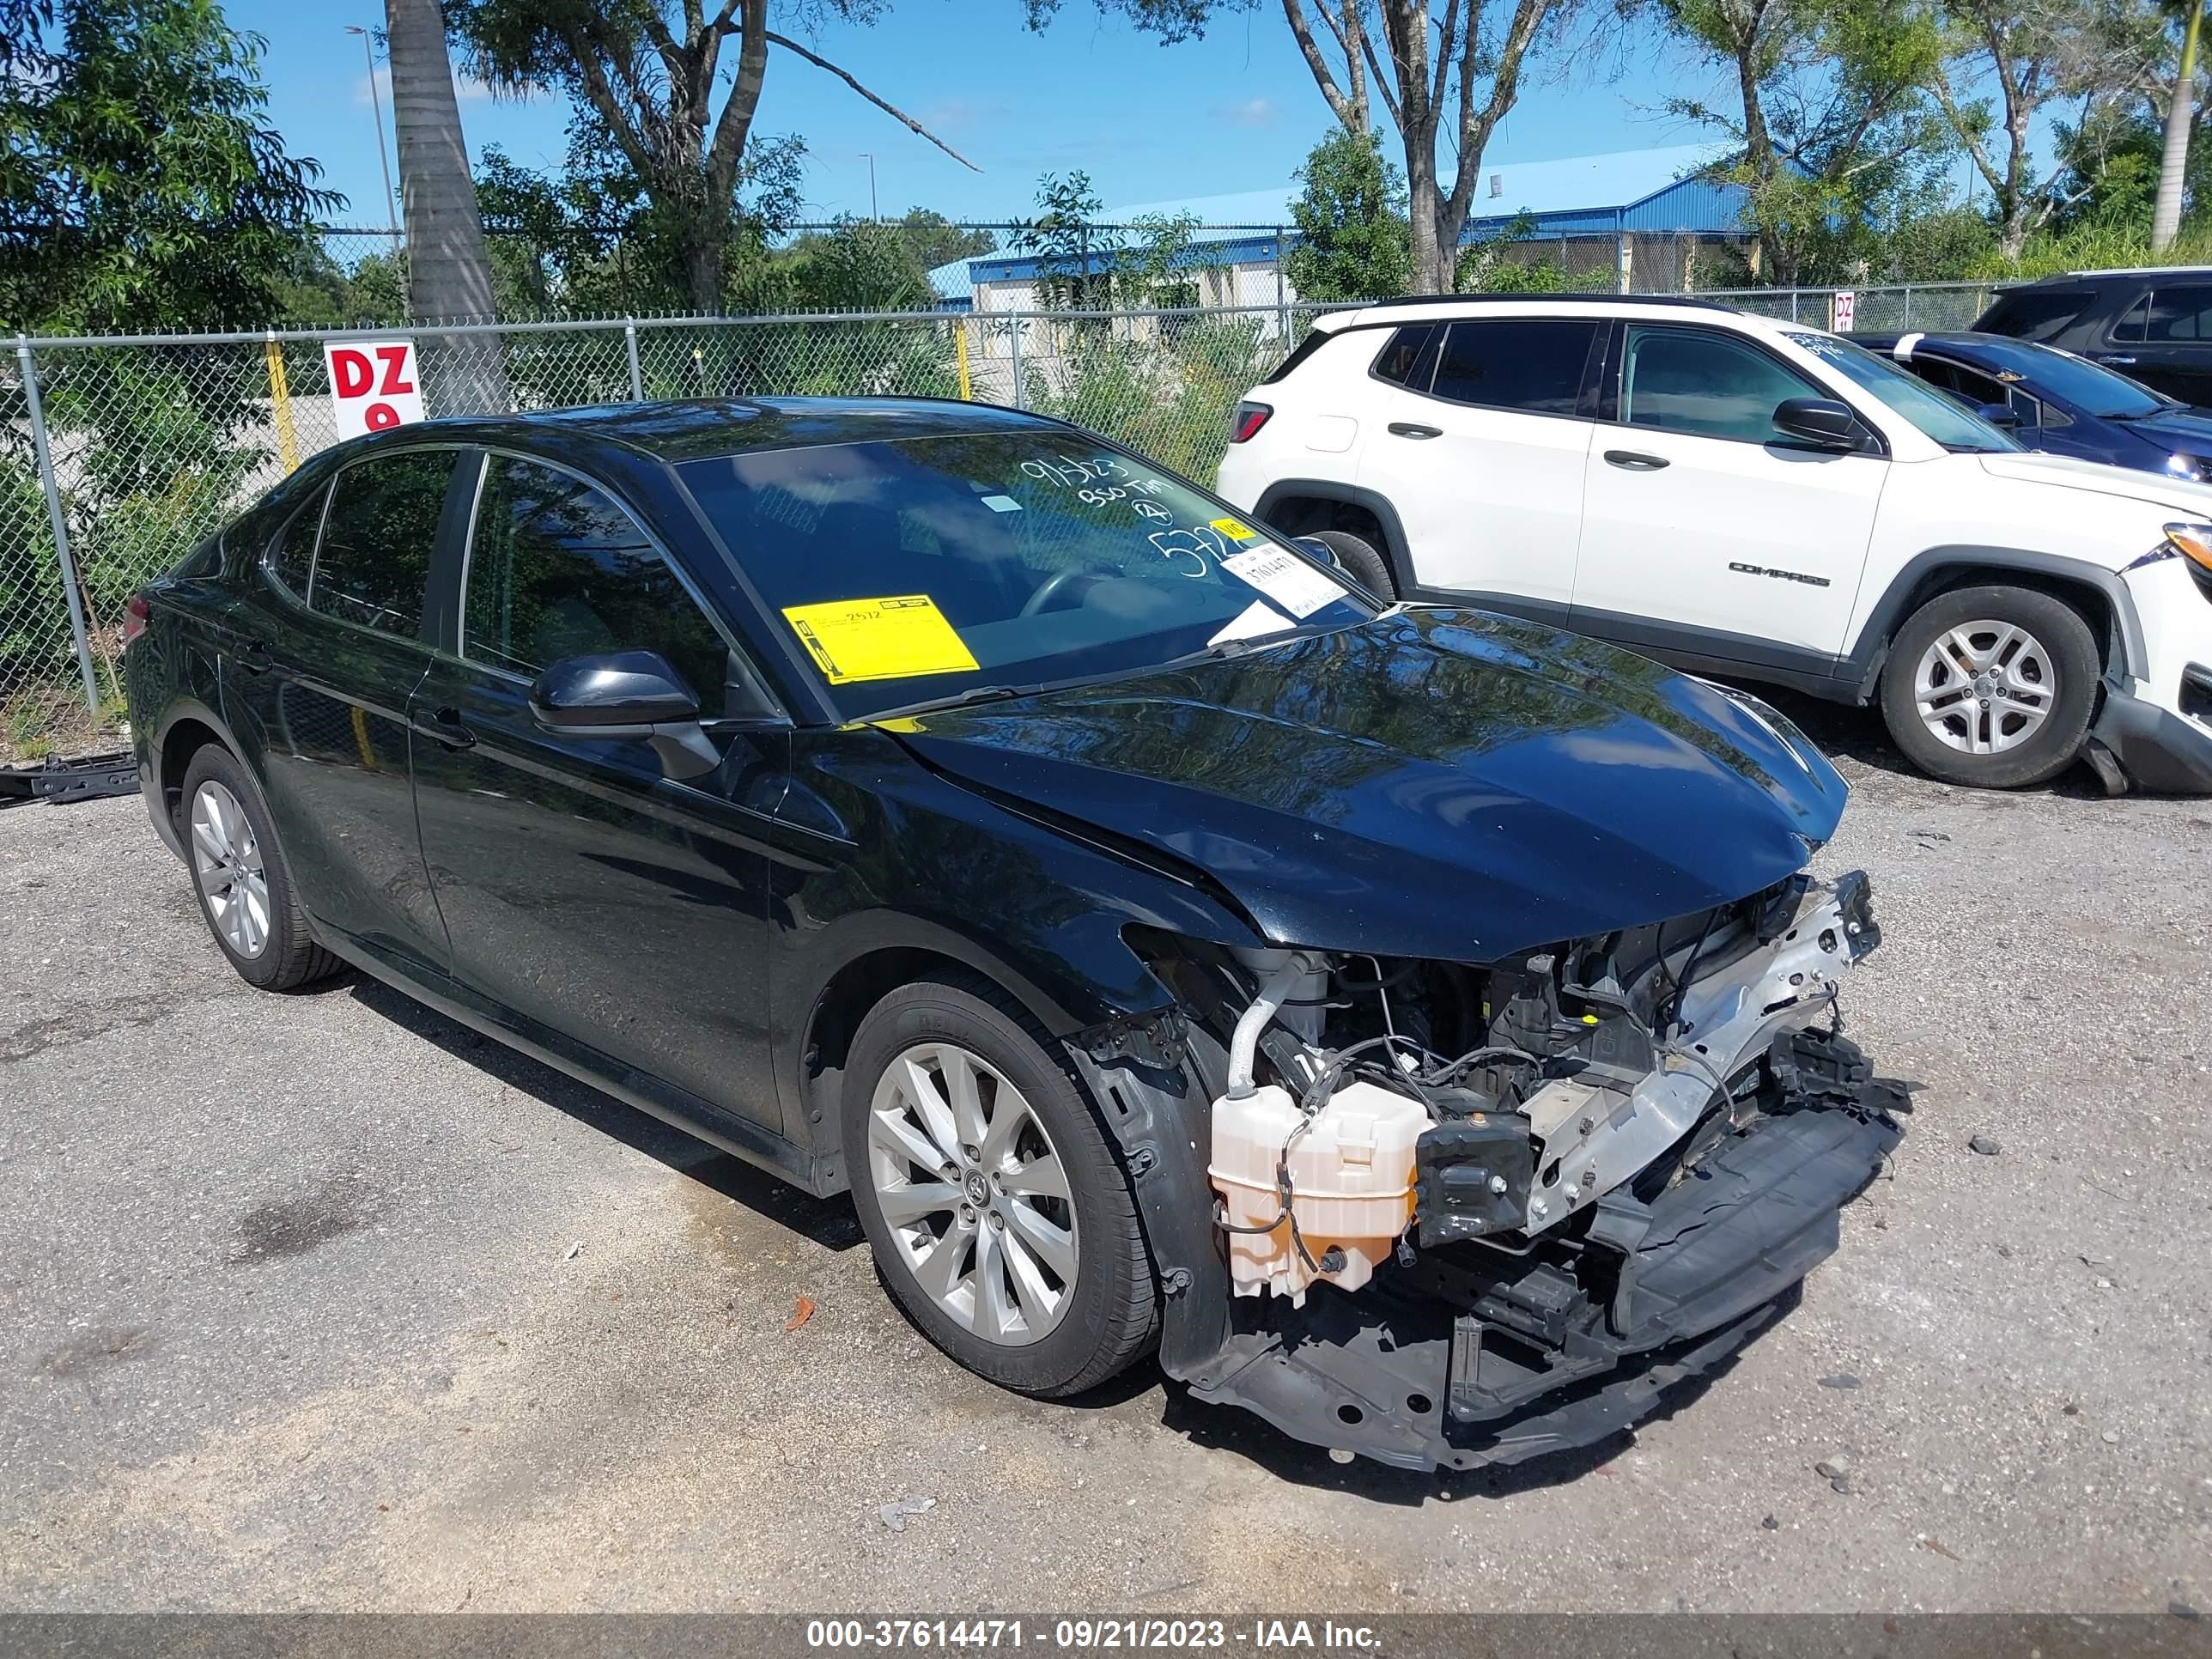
column 959, row 700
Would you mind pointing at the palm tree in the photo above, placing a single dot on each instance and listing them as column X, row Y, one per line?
column 449, row 275
column 2180, row 116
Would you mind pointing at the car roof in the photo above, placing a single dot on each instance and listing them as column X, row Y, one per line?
column 2117, row 273
column 707, row 429
column 1415, row 305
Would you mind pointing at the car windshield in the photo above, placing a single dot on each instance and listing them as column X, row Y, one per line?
column 1958, row 430
column 2089, row 386
column 914, row 570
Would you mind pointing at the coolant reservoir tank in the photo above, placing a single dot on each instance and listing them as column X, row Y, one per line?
column 1352, row 1183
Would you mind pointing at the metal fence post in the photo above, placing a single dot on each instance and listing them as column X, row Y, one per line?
column 629, row 344
column 1282, row 294
column 1019, row 318
column 1907, row 323
column 68, row 566
column 1793, row 305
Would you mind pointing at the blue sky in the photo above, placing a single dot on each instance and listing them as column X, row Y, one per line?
column 1236, row 110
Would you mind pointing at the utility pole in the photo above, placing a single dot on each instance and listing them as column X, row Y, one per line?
column 871, row 161
column 383, row 160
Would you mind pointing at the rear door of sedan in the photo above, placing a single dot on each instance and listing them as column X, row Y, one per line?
column 600, row 907
column 326, row 647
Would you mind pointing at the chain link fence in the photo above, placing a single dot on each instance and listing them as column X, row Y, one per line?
column 119, row 456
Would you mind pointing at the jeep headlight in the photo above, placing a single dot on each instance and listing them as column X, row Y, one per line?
column 2193, row 542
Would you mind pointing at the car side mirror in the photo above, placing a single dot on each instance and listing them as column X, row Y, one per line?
column 1821, row 421
column 2003, row 415
column 633, row 695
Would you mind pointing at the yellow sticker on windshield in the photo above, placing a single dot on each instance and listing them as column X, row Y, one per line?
column 892, row 638
column 1235, row 529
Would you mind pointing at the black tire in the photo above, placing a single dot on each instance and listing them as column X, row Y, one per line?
column 1110, row 1317
column 2068, row 663
column 288, row 958
column 1360, row 560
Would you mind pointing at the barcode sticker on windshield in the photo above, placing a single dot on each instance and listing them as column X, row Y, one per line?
column 1285, row 578
column 892, row 638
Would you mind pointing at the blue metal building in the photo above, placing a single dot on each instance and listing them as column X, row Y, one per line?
column 1629, row 219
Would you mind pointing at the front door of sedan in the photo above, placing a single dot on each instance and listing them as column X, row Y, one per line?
column 1703, row 533
column 606, row 910
column 322, row 658
column 1478, row 439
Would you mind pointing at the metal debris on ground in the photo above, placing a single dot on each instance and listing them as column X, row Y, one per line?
column 86, row 777
column 895, row 1513
column 1984, row 1144
column 572, row 1251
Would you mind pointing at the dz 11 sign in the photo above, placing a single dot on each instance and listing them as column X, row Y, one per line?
column 373, row 384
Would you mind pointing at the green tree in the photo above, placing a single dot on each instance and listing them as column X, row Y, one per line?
column 1353, row 241
column 1446, row 75
column 2006, row 63
column 1834, row 127
column 140, row 186
column 647, row 73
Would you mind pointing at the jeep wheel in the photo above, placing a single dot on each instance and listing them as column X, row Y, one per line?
column 1360, row 560
column 1992, row 687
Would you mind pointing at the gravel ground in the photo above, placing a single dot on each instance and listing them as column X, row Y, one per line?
column 322, row 1300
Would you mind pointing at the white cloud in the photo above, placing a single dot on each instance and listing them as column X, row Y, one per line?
column 1258, row 113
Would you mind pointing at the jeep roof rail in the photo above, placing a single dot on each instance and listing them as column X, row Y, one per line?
column 1689, row 301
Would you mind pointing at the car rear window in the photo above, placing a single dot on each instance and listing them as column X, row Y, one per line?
column 2180, row 315
column 2033, row 313
column 1409, row 358
column 1531, row 364
column 373, row 561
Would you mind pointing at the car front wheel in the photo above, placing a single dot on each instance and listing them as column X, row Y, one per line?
column 1992, row 687
column 1000, row 1220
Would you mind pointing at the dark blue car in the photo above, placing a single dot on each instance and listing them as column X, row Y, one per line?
column 2055, row 401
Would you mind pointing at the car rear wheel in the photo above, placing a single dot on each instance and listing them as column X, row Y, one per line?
column 1992, row 687
column 244, row 888
column 1360, row 560
column 1000, row 1220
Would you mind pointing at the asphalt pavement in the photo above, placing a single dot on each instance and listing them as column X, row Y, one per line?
column 322, row 1300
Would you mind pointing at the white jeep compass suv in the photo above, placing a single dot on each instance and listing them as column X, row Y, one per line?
column 1758, row 499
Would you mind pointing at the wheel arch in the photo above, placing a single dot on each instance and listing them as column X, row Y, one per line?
column 880, row 958
column 2098, row 594
column 188, row 725
column 1298, row 507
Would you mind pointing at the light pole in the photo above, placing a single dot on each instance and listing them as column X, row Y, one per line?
column 376, row 103
column 871, row 161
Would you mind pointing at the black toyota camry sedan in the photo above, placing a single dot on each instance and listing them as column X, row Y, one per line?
column 1418, row 1026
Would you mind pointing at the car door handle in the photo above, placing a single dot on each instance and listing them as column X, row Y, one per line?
column 1413, row 429
column 2122, row 358
column 1634, row 460
column 451, row 731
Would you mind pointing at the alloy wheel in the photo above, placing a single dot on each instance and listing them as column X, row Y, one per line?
column 1984, row 687
column 226, row 863
column 974, row 1192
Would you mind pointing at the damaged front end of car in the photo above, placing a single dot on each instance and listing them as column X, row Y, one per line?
column 1442, row 1213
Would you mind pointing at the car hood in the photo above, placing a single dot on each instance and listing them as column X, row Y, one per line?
column 1432, row 783
column 2188, row 430
column 2127, row 484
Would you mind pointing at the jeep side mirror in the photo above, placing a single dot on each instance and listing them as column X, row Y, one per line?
column 1821, row 421
column 2002, row 416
